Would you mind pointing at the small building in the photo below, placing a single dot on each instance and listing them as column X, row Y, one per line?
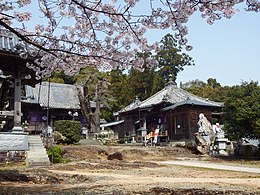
column 47, row 102
column 173, row 110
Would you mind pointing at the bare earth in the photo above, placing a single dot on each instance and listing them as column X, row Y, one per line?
column 129, row 170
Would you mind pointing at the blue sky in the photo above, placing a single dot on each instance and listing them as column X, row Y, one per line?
column 228, row 50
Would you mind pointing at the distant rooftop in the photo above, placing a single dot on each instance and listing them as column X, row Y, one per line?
column 62, row 96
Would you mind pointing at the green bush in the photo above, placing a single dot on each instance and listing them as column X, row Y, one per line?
column 69, row 129
column 56, row 152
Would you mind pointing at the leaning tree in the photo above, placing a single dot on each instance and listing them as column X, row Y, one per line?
column 71, row 34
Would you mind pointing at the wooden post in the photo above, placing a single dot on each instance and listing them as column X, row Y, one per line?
column 17, row 102
column 189, row 125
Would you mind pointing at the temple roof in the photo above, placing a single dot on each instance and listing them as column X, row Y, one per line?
column 171, row 94
column 11, row 62
column 62, row 96
column 190, row 102
column 9, row 41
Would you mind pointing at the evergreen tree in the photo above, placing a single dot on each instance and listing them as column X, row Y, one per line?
column 171, row 60
column 242, row 111
column 119, row 90
column 141, row 80
column 60, row 77
column 141, row 83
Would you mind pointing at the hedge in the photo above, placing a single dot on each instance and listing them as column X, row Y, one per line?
column 69, row 129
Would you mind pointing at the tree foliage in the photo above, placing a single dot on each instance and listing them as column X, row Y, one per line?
column 69, row 129
column 170, row 59
column 119, row 89
column 242, row 111
column 211, row 90
column 140, row 82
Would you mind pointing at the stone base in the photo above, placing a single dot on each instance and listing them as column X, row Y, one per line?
column 17, row 129
column 13, row 142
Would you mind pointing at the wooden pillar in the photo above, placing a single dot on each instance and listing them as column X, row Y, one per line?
column 17, row 102
column 189, row 125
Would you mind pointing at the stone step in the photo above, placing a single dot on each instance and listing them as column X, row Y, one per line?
column 32, row 137
column 39, row 159
column 38, row 151
column 34, row 142
column 39, row 164
column 37, row 155
column 37, row 147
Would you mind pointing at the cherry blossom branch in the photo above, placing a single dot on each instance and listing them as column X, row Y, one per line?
column 24, row 38
column 109, row 13
column 104, row 33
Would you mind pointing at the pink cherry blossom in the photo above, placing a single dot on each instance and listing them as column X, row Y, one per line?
column 71, row 34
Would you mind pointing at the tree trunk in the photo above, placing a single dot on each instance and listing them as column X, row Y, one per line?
column 93, row 118
column 96, row 115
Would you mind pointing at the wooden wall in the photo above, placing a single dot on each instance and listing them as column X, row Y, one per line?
column 182, row 122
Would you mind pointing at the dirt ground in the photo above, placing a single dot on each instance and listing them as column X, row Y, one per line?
column 128, row 170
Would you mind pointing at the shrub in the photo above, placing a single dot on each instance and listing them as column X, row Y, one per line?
column 56, row 152
column 69, row 129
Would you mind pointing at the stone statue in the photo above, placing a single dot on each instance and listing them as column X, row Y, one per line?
column 204, row 125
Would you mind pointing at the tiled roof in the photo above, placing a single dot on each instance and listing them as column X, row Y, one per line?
column 62, row 96
column 188, row 102
column 8, row 41
column 131, row 106
column 173, row 95
column 112, row 123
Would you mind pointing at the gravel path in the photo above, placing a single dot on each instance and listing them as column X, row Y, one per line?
column 210, row 165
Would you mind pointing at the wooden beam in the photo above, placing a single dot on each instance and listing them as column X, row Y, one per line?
column 17, row 102
column 7, row 113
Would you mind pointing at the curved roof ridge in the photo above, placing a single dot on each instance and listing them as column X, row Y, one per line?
column 201, row 98
column 171, row 94
column 154, row 95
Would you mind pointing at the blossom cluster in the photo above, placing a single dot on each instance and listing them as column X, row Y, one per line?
column 103, row 33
